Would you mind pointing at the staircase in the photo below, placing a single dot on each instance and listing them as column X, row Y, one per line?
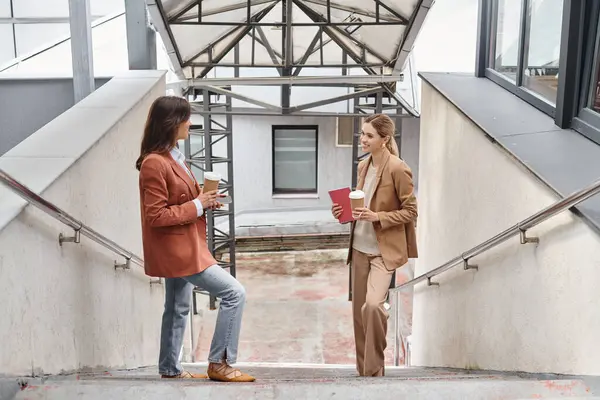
column 287, row 381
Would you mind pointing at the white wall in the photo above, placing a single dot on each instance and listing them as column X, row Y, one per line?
column 529, row 308
column 66, row 308
column 252, row 141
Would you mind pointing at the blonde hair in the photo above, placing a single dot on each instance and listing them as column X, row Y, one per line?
column 385, row 128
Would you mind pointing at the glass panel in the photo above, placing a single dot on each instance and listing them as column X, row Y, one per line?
column 594, row 93
column 295, row 160
column 507, row 37
column 543, row 49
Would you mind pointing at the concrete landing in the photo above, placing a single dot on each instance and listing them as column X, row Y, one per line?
column 297, row 310
column 284, row 222
column 281, row 381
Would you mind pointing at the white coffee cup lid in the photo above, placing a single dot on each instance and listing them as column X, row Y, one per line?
column 212, row 176
column 357, row 194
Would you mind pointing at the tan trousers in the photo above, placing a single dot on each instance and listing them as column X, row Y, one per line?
column 370, row 284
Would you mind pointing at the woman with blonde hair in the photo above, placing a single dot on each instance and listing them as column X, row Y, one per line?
column 382, row 238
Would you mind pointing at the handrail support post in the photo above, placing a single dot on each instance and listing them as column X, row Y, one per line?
column 468, row 266
column 76, row 238
column 525, row 239
column 126, row 265
column 431, row 283
column 157, row 281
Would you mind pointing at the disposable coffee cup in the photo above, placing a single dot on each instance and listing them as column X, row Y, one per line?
column 357, row 199
column 211, row 181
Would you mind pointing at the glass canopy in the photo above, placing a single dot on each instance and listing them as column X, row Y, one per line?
column 376, row 35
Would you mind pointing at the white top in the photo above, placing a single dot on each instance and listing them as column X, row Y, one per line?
column 365, row 240
column 178, row 156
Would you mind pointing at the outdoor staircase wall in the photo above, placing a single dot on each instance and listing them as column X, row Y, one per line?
column 67, row 308
column 529, row 307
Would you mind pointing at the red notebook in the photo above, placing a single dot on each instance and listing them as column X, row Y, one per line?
column 340, row 196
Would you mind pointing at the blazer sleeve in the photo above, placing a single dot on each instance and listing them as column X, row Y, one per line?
column 408, row 202
column 157, row 211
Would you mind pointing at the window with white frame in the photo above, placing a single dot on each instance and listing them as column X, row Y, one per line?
column 295, row 159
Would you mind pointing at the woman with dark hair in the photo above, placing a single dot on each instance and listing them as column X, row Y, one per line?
column 175, row 248
column 382, row 238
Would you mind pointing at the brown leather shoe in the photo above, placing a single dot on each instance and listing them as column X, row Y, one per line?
column 226, row 373
column 185, row 375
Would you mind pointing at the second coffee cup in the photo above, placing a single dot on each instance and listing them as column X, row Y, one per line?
column 357, row 199
column 211, row 181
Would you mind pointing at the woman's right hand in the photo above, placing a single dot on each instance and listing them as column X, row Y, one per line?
column 208, row 199
column 336, row 210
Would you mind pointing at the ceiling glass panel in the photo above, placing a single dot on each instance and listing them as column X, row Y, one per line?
column 353, row 24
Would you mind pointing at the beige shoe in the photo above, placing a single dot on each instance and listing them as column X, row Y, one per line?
column 226, row 373
column 185, row 375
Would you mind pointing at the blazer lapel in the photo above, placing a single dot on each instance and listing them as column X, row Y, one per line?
column 182, row 174
column 384, row 162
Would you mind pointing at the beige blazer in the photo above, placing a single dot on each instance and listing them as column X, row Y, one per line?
column 173, row 236
column 394, row 201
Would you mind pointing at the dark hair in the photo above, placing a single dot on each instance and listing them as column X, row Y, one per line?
column 160, row 132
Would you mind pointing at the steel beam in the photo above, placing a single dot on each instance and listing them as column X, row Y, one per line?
column 287, row 50
column 81, row 48
column 207, row 13
column 278, row 24
column 40, row 20
column 412, row 30
column 293, row 80
column 159, row 20
column 307, row 54
column 234, row 29
column 241, row 97
column 331, row 31
column 402, row 102
column 267, row 45
column 141, row 38
column 259, row 41
column 395, row 13
column 196, row 109
column 376, row 90
column 354, row 10
column 294, row 65
column 239, row 36
column 185, row 9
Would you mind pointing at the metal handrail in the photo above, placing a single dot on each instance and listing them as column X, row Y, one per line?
column 60, row 215
column 463, row 259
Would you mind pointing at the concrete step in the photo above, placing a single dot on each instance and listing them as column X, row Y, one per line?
column 288, row 381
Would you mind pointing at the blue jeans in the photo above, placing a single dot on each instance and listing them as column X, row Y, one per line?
column 178, row 295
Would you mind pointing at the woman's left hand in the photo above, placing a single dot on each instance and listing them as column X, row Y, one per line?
column 364, row 214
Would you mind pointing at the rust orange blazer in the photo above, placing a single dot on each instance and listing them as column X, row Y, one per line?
column 173, row 236
column 395, row 203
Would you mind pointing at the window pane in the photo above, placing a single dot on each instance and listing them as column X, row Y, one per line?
column 543, row 52
column 295, row 160
column 507, row 37
column 594, row 94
